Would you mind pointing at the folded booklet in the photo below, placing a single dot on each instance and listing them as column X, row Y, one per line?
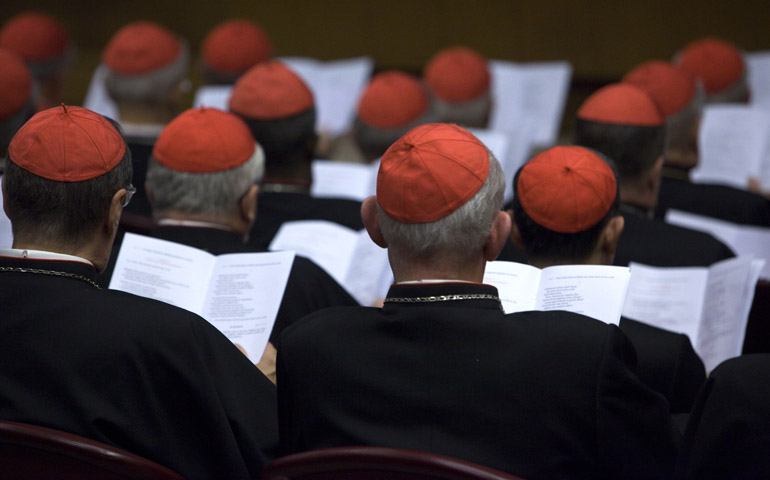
column 710, row 305
column 597, row 291
column 349, row 256
column 238, row 293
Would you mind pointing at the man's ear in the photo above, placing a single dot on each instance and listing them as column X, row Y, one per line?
column 248, row 204
column 652, row 181
column 515, row 232
column 498, row 235
column 608, row 242
column 115, row 210
column 370, row 217
column 148, row 191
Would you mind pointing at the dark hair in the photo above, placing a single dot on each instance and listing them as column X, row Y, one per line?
column 633, row 148
column 66, row 212
column 287, row 142
column 540, row 242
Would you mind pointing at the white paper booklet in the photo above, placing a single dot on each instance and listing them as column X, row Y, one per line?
column 710, row 305
column 597, row 291
column 214, row 96
column 238, row 293
column 744, row 240
column 336, row 85
column 350, row 257
column 354, row 181
column 97, row 98
column 734, row 143
column 529, row 93
column 759, row 78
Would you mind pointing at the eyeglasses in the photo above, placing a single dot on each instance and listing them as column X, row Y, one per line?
column 130, row 191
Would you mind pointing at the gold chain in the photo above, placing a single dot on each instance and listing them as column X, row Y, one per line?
column 445, row 298
column 50, row 272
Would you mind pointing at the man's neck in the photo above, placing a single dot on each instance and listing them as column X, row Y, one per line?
column 231, row 223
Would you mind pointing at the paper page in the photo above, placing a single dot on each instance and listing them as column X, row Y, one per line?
column 516, row 284
column 501, row 146
column 725, row 311
column 368, row 277
column 540, row 97
column 596, row 291
column 758, row 64
column 326, row 243
column 244, row 295
column 667, row 298
column 97, row 98
column 745, row 240
column 336, row 86
column 214, row 96
column 354, row 181
column 733, row 145
column 163, row 270
column 6, row 234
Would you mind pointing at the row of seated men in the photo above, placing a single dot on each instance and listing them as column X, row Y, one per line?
column 352, row 374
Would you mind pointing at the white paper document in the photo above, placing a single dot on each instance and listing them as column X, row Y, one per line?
column 596, row 291
column 710, row 305
column 238, row 293
column 529, row 93
column 97, row 98
column 354, row 181
column 733, row 143
column 758, row 64
column 336, row 86
column 744, row 240
column 213, row 96
column 349, row 256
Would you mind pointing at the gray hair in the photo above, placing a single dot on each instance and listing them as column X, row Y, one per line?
column 215, row 193
column 463, row 231
column 738, row 92
column 472, row 113
column 373, row 141
column 679, row 124
column 150, row 88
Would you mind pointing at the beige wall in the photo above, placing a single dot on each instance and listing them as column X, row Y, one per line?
column 602, row 39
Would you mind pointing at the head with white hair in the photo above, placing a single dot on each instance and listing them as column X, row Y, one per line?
column 438, row 205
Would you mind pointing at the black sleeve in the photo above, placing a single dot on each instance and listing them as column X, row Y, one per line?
column 308, row 289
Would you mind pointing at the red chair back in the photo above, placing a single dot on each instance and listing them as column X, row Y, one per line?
column 30, row 452
column 376, row 463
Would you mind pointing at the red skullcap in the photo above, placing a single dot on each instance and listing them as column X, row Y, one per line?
column 270, row 90
column 717, row 63
column 15, row 84
column 67, row 144
column 141, row 47
column 566, row 189
column 621, row 104
column 457, row 74
column 204, row 140
column 392, row 100
column 671, row 88
column 34, row 36
column 430, row 172
column 234, row 46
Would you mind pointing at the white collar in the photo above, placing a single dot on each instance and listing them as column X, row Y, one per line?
column 431, row 280
column 41, row 255
column 148, row 130
column 192, row 223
